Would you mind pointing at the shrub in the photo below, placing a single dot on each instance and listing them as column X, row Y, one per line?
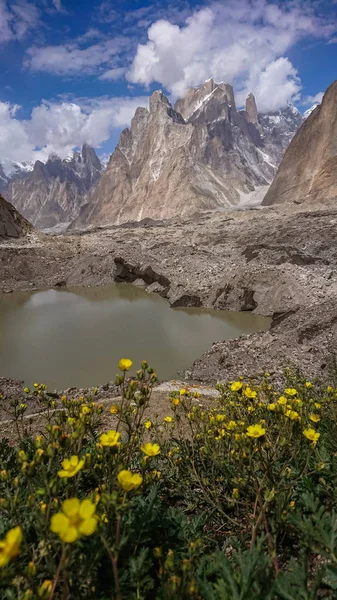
column 233, row 502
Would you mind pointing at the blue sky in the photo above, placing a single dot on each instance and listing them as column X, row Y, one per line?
column 74, row 71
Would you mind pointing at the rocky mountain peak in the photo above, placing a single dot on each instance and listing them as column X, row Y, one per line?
column 158, row 101
column 194, row 98
column 251, row 108
column 55, row 191
column 89, row 156
column 308, row 171
column 200, row 155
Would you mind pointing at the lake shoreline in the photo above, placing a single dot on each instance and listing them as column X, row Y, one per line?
column 275, row 262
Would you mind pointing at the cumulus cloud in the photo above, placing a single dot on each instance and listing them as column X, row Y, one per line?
column 59, row 127
column 73, row 59
column 317, row 99
column 16, row 19
column 243, row 42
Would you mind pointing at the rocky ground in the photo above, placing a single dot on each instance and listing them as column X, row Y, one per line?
column 277, row 261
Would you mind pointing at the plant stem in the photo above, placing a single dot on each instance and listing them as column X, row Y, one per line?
column 58, row 573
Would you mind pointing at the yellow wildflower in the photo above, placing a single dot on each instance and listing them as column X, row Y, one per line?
column 129, row 481
column 255, row 431
column 150, row 449
column 111, row 438
column 308, row 385
column 220, row 418
column 282, row 400
column 249, row 393
column 291, row 392
column 235, row 493
column 312, row 435
column 175, row 401
column 125, row 364
column 10, row 546
column 317, row 405
column 45, row 589
column 314, row 418
column 271, row 406
column 168, row 419
column 114, row 409
column 292, row 415
column 231, row 425
column 148, row 424
column 85, row 410
column 76, row 519
column 71, row 466
column 329, row 389
column 236, row 386
column 183, row 392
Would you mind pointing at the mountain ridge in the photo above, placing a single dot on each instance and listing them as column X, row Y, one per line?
column 171, row 163
column 54, row 191
column 308, row 171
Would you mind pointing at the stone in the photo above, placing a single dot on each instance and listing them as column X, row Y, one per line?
column 12, row 223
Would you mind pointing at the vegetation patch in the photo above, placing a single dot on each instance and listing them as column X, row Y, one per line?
column 236, row 502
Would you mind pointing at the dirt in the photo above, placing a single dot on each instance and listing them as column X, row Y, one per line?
column 277, row 261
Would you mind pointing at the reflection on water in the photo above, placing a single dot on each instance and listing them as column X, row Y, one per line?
column 76, row 336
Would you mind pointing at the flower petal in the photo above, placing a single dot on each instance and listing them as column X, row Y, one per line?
column 69, row 535
column 88, row 526
column 87, row 509
column 74, row 461
column 71, row 507
column 59, row 523
column 66, row 464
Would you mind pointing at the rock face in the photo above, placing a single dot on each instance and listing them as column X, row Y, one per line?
column 202, row 154
column 308, row 171
column 12, row 224
column 54, row 192
column 251, row 109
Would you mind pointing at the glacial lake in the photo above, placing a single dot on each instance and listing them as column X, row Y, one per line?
column 76, row 336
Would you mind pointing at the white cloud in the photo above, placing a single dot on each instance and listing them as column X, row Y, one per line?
column 16, row 19
column 72, row 59
column 58, row 128
column 317, row 99
column 113, row 74
column 273, row 87
column 243, row 42
column 58, row 5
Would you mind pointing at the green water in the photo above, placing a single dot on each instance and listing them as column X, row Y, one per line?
column 75, row 337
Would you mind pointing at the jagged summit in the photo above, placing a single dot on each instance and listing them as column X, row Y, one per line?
column 53, row 192
column 251, row 108
column 308, row 171
column 195, row 97
column 201, row 154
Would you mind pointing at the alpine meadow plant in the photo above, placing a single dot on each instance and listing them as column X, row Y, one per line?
column 229, row 499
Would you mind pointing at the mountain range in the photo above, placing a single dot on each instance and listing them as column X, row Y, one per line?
column 52, row 193
column 200, row 154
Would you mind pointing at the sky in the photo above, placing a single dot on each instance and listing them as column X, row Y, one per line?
column 74, row 71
